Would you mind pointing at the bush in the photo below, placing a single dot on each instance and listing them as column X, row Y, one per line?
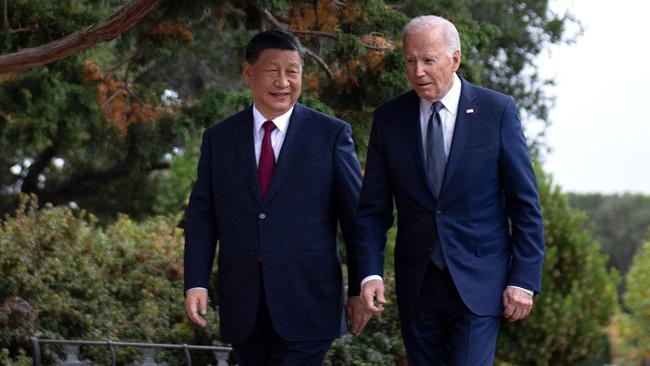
column 65, row 277
column 635, row 322
column 578, row 298
column 380, row 343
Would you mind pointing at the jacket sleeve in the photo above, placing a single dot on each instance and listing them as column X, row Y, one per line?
column 201, row 228
column 347, row 184
column 375, row 209
column 522, row 203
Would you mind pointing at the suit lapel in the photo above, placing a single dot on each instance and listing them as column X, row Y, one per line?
column 245, row 151
column 293, row 142
column 414, row 135
column 464, row 123
column 414, row 132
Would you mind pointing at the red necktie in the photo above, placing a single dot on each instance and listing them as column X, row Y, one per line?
column 267, row 158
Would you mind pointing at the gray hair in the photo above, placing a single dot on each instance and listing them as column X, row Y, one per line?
column 431, row 22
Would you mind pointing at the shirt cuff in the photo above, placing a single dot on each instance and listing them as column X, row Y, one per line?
column 196, row 288
column 524, row 290
column 371, row 277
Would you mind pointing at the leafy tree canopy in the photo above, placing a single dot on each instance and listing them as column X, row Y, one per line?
column 104, row 128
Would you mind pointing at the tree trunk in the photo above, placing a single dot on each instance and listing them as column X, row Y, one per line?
column 112, row 27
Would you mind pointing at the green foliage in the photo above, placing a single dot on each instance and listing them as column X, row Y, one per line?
column 619, row 222
column 100, row 111
column 380, row 343
column 65, row 277
column 500, row 41
column 635, row 322
column 578, row 296
column 172, row 187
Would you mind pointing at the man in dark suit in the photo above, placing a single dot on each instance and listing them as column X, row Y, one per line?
column 279, row 285
column 453, row 159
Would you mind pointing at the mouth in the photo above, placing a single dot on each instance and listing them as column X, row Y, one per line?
column 422, row 85
column 280, row 96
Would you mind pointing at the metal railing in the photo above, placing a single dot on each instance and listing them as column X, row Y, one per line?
column 71, row 349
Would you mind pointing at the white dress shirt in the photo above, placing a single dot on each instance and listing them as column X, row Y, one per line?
column 448, row 118
column 277, row 135
column 277, row 139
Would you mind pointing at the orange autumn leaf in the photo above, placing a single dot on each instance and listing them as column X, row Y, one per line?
column 313, row 82
column 173, row 30
column 328, row 15
column 351, row 13
column 119, row 107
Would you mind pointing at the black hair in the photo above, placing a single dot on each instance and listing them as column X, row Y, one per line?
column 273, row 39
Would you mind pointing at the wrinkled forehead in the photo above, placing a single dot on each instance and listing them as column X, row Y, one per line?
column 425, row 41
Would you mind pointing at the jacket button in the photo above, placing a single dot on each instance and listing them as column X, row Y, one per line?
column 438, row 213
column 262, row 216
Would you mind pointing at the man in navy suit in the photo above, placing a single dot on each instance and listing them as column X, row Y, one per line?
column 453, row 159
column 274, row 181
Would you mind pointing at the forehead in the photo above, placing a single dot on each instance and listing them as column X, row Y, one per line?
column 278, row 56
column 425, row 40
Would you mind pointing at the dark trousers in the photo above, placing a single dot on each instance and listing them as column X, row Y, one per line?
column 443, row 331
column 266, row 348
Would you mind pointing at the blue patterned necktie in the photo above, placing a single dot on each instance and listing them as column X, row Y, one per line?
column 436, row 161
column 435, row 156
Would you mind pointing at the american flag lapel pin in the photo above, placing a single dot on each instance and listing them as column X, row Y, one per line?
column 469, row 111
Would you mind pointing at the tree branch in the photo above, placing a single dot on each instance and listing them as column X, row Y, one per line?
column 127, row 17
column 87, row 182
column 5, row 18
column 20, row 30
column 313, row 32
column 267, row 14
column 320, row 61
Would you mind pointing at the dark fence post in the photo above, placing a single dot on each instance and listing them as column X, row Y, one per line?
column 36, row 350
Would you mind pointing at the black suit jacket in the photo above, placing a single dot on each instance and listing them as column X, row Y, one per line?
column 315, row 185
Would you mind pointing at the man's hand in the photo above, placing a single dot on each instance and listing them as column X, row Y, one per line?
column 196, row 306
column 517, row 304
column 371, row 291
column 357, row 314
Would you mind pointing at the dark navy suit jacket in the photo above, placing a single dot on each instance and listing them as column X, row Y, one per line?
column 487, row 216
column 315, row 185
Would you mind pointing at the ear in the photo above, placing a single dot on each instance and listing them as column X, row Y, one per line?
column 455, row 59
column 247, row 72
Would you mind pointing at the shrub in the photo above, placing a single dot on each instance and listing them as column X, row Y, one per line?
column 635, row 322
column 66, row 277
column 578, row 298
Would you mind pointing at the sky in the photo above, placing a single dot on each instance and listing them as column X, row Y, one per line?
column 600, row 126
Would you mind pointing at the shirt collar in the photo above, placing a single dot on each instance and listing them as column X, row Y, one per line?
column 450, row 100
column 281, row 122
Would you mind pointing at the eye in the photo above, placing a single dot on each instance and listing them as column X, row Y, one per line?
column 429, row 61
column 410, row 61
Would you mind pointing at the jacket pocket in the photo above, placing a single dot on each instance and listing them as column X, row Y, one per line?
column 493, row 246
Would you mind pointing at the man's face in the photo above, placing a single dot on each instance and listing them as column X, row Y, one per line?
column 429, row 68
column 275, row 81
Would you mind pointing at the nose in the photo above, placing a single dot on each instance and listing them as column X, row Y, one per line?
column 419, row 69
column 282, row 80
